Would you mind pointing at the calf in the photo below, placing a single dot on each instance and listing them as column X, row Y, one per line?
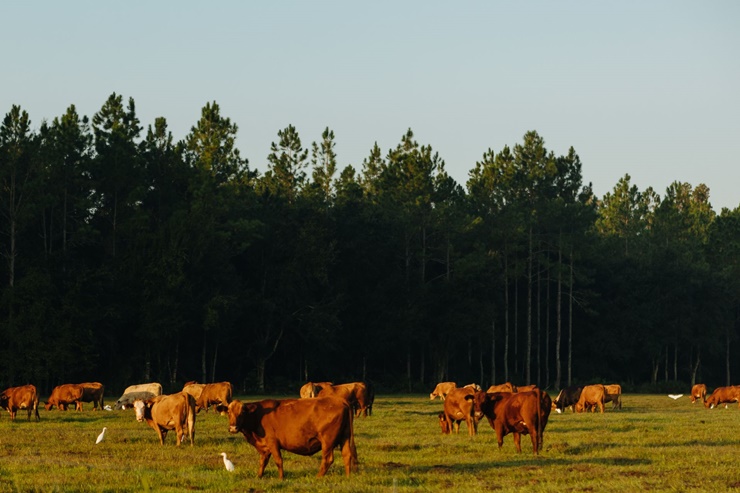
column 168, row 412
column 15, row 398
column 301, row 426
column 441, row 390
column 698, row 391
column 516, row 413
column 64, row 395
column 459, row 407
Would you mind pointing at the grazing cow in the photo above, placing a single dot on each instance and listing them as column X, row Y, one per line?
column 168, row 412
column 567, row 398
column 613, row 394
column 723, row 395
column 214, row 393
column 312, row 389
column 126, row 401
column 24, row 397
column 153, row 389
column 591, row 395
column 459, row 407
column 504, row 387
column 301, row 426
column 64, row 395
column 441, row 390
column 92, row 392
column 516, row 413
column 699, row 391
column 355, row 393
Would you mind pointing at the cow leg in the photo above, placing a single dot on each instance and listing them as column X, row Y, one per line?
column 517, row 441
column 264, row 459
column 327, row 458
column 279, row 461
column 349, row 456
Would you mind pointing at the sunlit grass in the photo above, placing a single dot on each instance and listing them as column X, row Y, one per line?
column 654, row 443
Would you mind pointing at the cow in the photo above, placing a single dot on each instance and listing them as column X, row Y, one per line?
column 473, row 386
column 516, row 413
column 126, row 401
column 459, row 407
column 168, row 412
column 137, row 392
column 312, row 389
column 25, row 397
column 92, row 392
column 613, row 394
column 591, row 397
column 525, row 388
column 441, row 390
column 355, row 393
column 64, row 395
column 300, row 426
column 723, row 395
column 193, row 388
column 370, row 398
column 218, row 394
column 699, row 391
column 567, row 398
column 504, row 387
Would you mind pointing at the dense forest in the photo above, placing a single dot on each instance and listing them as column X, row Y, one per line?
column 130, row 257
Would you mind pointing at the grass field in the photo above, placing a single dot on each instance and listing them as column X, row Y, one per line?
column 653, row 444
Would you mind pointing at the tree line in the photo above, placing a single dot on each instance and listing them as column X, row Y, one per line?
column 131, row 257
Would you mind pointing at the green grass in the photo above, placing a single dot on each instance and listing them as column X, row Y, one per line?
column 654, row 443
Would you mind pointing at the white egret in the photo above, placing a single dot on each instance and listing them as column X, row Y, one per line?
column 229, row 465
column 675, row 396
column 101, row 436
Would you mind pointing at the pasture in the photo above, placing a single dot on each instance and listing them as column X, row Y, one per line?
column 654, row 443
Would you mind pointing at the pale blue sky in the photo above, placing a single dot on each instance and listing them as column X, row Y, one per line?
column 649, row 88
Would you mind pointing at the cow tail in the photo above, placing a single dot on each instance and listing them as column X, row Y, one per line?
column 353, row 449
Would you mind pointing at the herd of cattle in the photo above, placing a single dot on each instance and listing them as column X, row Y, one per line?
column 322, row 419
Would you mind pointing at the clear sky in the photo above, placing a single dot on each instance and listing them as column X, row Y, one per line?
column 649, row 88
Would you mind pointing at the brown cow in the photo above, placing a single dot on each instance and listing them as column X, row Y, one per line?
column 591, row 395
column 312, row 389
column 516, row 413
column 64, row 395
column 723, row 395
column 525, row 388
column 441, row 390
column 92, row 392
column 614, row 395
column 15, row 398
column 219, row 394
column 301, row 426
column 459, row 407
column 568, row 397
column 355, row 393
column 168, row 412
column 193, row 388
column 699, row 391
column 504, row 387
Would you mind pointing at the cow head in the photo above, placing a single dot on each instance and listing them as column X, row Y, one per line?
column 142, row 408
column 444, row 424
column 234, row 410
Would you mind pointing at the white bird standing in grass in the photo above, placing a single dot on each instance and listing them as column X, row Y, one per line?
column 101, row 436
column 229, row 465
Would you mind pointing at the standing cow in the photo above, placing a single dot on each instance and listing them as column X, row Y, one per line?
column 458, row 407
column 301, row 426
column 64, row 395
column 524, row 413
column 168, row 412
column 699, row 391
column 92, row 392
column 24, row 397
column 592, row 396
